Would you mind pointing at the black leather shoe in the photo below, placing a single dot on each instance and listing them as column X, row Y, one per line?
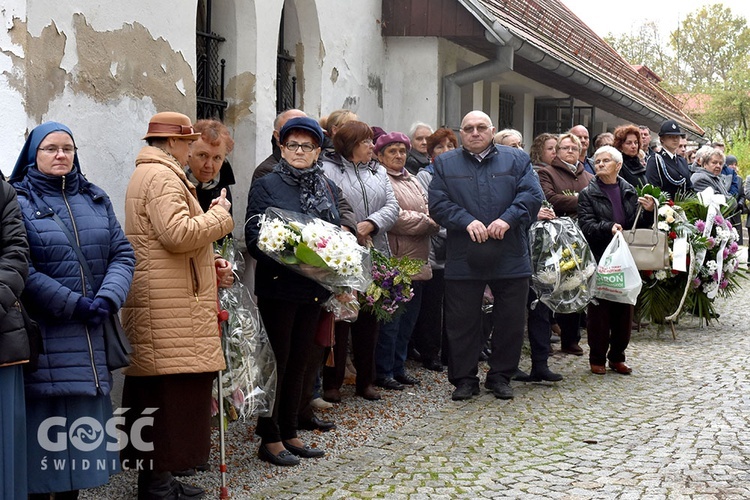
column 406, row 379
column 305, row 452
column 574, row 349
column 501, row 390
column 464, row 392
column 184, row 472
column 544, row 374
column 521, row 376
column 316, row 424
column 188, row 491
column 191, row 472
column 433, row 364
column 389, row 383
column 284, row 457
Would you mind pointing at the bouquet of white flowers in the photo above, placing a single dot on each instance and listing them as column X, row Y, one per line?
column 315, row 248
column 320, row 251
column 562, row 264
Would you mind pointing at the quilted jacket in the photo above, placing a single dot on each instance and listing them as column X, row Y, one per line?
column 14, row 267
column 170, row 314
column 410, row 235
column 503, row 185
column 73, row 360
column 369, row 192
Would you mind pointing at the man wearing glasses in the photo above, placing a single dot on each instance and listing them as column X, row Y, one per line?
column 486, row 196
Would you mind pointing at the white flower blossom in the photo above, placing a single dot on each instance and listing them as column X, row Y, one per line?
column 711, row 266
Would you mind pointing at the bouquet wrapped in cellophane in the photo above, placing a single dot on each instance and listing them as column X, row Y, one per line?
column 391, row 286
column 562, row 265
column 320, row 251
column 249, row 381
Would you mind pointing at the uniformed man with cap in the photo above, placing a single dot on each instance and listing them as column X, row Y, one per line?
column 666, row 169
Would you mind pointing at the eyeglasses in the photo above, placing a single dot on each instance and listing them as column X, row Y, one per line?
column 294, row 147
column 469, row 129
column 52, row 150
column 569, row 148
column 367, row 142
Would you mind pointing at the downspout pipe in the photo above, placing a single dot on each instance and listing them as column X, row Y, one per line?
column 452, row 83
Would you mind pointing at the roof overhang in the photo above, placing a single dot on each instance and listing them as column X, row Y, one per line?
column 551, row 45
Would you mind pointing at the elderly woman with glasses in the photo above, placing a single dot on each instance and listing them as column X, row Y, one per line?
column 288, row 302
column 561, row 182
column 606, row 206
column 366, row 186
column 80, row 271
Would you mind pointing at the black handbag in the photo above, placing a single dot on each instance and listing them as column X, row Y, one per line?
column 116, row 345
column 36, row 343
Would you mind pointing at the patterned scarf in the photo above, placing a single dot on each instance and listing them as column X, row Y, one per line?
column 314, row 192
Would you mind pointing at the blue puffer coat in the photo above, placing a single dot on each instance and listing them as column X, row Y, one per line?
column 503, row 185
column 73, row 361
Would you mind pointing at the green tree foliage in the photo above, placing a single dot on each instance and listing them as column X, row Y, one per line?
column 646, row 47
column 707, row 58
column 708, row 45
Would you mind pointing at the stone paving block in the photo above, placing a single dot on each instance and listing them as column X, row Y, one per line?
column 679, row 435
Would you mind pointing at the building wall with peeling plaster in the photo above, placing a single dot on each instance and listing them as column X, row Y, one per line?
column 105, row 68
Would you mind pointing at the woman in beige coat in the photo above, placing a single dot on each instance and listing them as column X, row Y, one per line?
column 171, row 313
column 409, row 237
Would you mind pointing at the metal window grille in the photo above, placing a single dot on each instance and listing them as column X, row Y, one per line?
column 286, row 83
column 210, row 69
column 505, row 114
column 559, row 115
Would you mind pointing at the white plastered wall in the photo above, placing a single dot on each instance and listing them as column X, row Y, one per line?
column 107, row 125
column 412, row 83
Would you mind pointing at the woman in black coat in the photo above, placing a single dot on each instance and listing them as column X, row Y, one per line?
column 606, row 206
column 288, row 302
column 14, row 346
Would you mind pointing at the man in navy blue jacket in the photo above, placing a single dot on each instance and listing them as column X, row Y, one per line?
column 486, row 196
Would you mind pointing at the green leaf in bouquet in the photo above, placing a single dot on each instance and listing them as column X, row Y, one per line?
column 308, row 256
column 655, row 191
column 289, row 259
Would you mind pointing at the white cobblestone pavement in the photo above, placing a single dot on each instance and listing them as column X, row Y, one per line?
column 677, row 428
